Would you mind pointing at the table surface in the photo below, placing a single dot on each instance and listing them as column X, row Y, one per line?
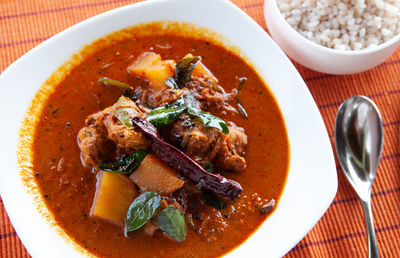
column 341, row 231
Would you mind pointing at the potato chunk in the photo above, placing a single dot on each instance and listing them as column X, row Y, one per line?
column 154, row 175
column 149, row 66
column 114, row 195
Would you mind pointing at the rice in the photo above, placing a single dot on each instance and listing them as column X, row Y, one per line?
column 344, row 24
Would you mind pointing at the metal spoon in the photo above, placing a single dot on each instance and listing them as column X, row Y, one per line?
column 359, row 143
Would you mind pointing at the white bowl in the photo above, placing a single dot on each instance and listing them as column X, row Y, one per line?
column 312, row 181
column 318, row 57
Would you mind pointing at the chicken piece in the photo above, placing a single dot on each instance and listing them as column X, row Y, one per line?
column 212, row 97
column 205, row 144
column 165, row 96
column 198, row 142
column 150, row 67
column 105, row 131
column 148, row 99
column 231, row 153
column 94, row 145
column 97, row 119
column 124, row 134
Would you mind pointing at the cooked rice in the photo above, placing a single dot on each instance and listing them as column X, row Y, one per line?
column 344, row 24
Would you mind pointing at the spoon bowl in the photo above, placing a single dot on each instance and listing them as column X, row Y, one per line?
column 359, row 144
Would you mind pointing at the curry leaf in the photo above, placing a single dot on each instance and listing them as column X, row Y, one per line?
column 209, row 120
column 211, row 200
column 108, row 82
column 184, row 69
column 172, row 222
column 163, row 116
column 160, row 117
column 125, row 116
column 125, row 165
column 141, row 210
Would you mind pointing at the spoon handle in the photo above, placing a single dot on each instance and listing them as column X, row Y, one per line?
column 369, row 221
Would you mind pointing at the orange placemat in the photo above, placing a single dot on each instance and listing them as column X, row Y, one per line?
column 340, row 232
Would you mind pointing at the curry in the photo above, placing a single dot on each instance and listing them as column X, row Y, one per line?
column 178, row 126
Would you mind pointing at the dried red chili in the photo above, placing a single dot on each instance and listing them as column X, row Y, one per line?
column 188, row 168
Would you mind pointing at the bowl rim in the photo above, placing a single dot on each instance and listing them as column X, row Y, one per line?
column 256, row 39
column 393, row 41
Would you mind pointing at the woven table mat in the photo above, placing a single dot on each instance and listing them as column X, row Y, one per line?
column 341, row 231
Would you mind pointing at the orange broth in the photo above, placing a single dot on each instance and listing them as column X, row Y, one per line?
column 68, row 188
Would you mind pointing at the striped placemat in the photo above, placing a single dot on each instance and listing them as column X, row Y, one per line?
column 341, row 231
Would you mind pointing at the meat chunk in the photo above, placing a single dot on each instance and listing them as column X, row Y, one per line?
column 94, row 145
column 156, row 99
column 212, row 97
column 230, row 155
column 104, row 131
column 205, row 144
column 148, row 99
column 198, row 142
column 121, row 134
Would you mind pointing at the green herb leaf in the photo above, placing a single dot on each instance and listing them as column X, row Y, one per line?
column 111, row 82
column 184, row 69
column 163, row 116
column 125, row 116
column 211, row 200
column 125, row 165
column 209, row 120
column 160, row 117
column 206, row 119
column 172, row 222
column 141, row 210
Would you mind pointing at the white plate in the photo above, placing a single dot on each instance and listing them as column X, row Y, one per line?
column 311, row 184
